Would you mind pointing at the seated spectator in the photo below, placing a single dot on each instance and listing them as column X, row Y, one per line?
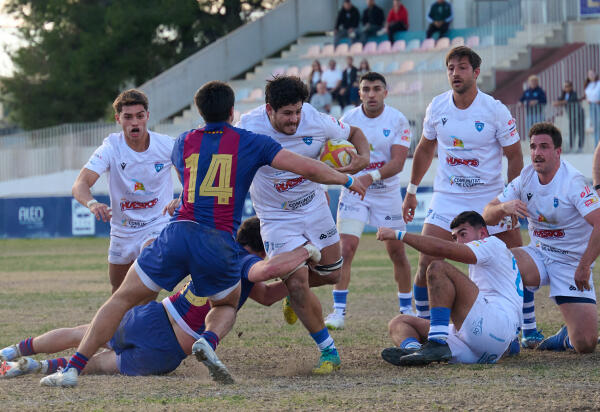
column 372, row 21
column 347, row 21
column 397, row 19
column 439, row 17
column 348, row 82
column 322, row 99
column 570, row 101
column 314, row 76
column 534, row 99
column 363, row 68
column 333, row 79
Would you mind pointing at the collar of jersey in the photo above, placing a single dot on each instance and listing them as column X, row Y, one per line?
column 216, row 125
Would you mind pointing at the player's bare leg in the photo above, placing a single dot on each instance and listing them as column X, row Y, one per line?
column 582, row 325
column 116, row 274
column 335, row 320
column 397, row 254
column 407, row 333
column 103, row 363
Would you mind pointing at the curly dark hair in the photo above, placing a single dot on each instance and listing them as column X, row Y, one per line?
column 471, row 217
column 284, row 90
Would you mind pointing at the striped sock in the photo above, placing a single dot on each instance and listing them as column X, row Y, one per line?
column 211, row 338
column 323, row 340
column 440, row 319
column 421, row 301
column 51, row 365
column 405, row 301
column 77, row 361
column 410, row 343
column 528, row 311
column 339, row 301
column 26, row 347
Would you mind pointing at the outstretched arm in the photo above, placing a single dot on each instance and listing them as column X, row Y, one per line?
column 267, row 294
column 281, row 265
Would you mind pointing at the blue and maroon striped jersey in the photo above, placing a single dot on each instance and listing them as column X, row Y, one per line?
column 217, row 164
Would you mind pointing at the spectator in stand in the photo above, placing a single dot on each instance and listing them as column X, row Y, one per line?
column 569, row 100
column 397, row 19
column 347, row 21
column 372, row 20
column 315, row 76
column 592, row 95
column 322, row 99
column 349, row 80
column 534, row 99
column 439, row 18
column 363, row 68
column 333, row 79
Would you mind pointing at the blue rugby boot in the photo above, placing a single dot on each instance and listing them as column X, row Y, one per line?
column 531, row 338
column 557, row 343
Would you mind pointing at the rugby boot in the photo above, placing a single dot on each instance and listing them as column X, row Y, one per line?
column 393, row 355
column 334, row 321
column 432, row 351
column 66, row 378
column 10, row 353
column 22, row 367
column 205, row 354
column 328, row 362
column 557, row 343
column 531, row 338
column 288, row 312
column 513, row 347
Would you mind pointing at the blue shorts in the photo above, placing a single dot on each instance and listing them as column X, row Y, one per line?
column 209, row 255
column 145, row 343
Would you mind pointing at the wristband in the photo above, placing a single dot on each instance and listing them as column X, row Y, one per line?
column 597, row 187
column 91, row 202
column 411, row 189
column 349, row 183
column 400, row 234
column 376, row 175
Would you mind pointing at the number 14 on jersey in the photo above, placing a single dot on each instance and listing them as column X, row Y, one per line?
column 220, row 166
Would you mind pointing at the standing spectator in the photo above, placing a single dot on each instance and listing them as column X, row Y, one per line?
column 534, row 99
column 348, row 82
column 397, row 19
column 322, row 99
column 372, row 20
column 315, row 76
column 592, row 95
column 439, row 18
column 348, row 18
column 363, row 68
column 569, row 100
column 333, row 79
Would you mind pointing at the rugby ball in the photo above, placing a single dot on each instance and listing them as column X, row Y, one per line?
column 333, row 153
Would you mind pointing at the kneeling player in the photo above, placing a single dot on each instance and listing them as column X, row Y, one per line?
column 485, row 307
column 153, row 339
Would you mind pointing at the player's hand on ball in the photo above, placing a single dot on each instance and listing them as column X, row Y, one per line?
column 515, row 207
column 101, row 211
column 357, row 163
column 582, row 277
column 385, row 233
column 408, row 207
column 170, row 208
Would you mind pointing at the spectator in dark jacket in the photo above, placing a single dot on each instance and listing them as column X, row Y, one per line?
column 397, row 19
column 372, row 21
column 347, row 21
column 439, row 18
column 534, row 99
column 570, row 101
column 348, row 81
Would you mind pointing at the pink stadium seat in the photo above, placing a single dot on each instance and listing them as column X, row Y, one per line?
column 406, row 66
column 442, row 43
column 313, row 51
column 457, row 41
column 399, row 45
column 292, row 71
column 305, row 72
column 341, row 49
column 256, row 94
column 415, row 87
column 370, row 48
column 428, row 44
column 328, row 50
column 414, row 44
column 473, row 41
column 356, row 48
column 384, row 47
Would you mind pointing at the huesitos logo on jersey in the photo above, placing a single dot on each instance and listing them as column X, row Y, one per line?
column 288, row 184
column 549, row 233
column 127, row 205
column 455, row 161
column 375, row 165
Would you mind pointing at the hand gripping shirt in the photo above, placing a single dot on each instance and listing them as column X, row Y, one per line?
column 470, row 143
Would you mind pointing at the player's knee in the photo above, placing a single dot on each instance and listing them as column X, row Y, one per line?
column 395, row 323
column 585, row 343
column 330, row 273
column 435, row 269
column 348, row 251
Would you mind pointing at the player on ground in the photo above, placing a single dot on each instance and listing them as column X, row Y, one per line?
column 563, row 214
column 471, row 130
column 292, row 209
column 153, row 339
column 217, row 164
column 138, row 164
column 485, row 307
column 388, row 133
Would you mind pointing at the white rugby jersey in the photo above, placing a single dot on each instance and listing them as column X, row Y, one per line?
column 275, row 190
column 470, row 143
column 556, row 223
column 496, row 274
column 140, row 184
column 387, row 129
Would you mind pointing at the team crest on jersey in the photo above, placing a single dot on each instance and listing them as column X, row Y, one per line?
column 308, row 140
column 479, row 126
column 158, row 166
column 386, row 132
column 123, row 164
column 138, row 185
column 444, row 120
column 556, row 202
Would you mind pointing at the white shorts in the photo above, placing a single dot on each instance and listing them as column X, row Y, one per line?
column 379, row 209
column 125, row 249
column 295, row 229
column 444, row 207
column 560, row 276
column 485, row 333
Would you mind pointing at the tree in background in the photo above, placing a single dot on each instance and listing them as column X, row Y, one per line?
column 80, row 54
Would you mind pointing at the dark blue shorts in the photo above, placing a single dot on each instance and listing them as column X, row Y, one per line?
column 209, row 255
column 145, row 343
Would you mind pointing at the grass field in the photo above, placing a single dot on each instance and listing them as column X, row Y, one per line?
column 46, row 284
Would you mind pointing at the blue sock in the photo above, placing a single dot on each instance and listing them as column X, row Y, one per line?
column 52, row 365
column 405, row 301
column 26, row 347
column 78, row 361
column 323, row 340
column 529, row 323
column 339, row 301
column 440, row 319
column 211, row 338
column 421, row 301
column 410, row 343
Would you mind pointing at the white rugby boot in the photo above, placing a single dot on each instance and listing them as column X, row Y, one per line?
column 334, row 321
column 61, row 378
column 205, row 354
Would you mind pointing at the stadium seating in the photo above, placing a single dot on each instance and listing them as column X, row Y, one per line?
column 413, row 44
column 473, row 41
column 406, row 66
column 457, row 41
column 356, row 49
column 255, row 95
column 292, row 71
column 399, row 45
column 442, row 43
column 384, row 47
column 428, row 44
column 370, row 48
column 341, row 49
column 328, row 50
column 313, row 51
column 305, row 71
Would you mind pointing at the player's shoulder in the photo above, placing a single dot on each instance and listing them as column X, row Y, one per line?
column 488, row 102
column 309, row 112
column 162, row 140
column 527, row 174
column 352, row 115
column 392, row 113
column 253, row 117
column 571, row 177
column 441, row 101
